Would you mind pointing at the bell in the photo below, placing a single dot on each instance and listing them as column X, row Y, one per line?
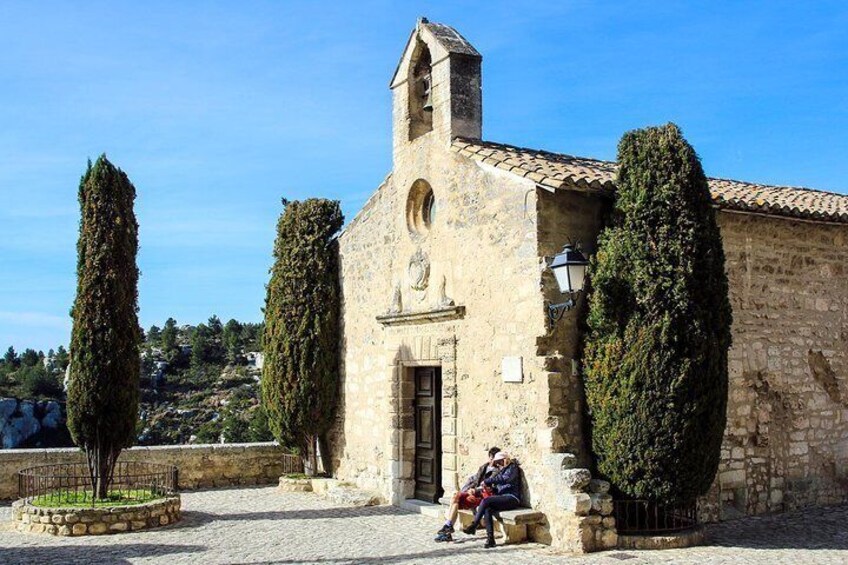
column 426, row 95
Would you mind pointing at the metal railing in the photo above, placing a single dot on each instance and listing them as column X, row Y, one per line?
column 649, row 517
column 65, row 483
column 292, row 464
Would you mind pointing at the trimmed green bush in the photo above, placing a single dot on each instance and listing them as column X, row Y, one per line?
column 301, row 335
column 103, row 390
column 659, row 325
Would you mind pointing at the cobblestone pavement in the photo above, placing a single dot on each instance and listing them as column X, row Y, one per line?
column 259, row 525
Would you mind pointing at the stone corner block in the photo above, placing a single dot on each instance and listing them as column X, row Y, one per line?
column 576, row 479
column 578, row 502
column 599, row 486
column 561, row 461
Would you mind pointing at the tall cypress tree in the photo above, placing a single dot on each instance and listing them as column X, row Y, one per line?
column 301, row 336
column 103, row 390
column 659, row 325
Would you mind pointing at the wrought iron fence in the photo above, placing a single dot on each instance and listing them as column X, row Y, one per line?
column 292, row 464
column 649, row 517
column 65, row 483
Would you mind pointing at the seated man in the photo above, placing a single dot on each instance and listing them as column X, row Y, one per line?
column 507, row 486
column 469, row 496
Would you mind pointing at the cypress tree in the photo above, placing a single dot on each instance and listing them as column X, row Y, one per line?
column 659, row 326
column 301, row 335
column 103, row 390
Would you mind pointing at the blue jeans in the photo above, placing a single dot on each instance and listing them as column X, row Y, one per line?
column 492, row 505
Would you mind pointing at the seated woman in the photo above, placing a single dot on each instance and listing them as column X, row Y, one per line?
column 469, row 496
column 507, row 495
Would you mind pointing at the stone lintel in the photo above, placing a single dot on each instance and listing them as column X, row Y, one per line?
column 422, row 317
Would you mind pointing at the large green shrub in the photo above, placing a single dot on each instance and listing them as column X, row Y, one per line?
column 659, row 325
column 301, row 335
column 103, row 390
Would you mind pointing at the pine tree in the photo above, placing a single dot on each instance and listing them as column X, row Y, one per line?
column 200, row 346
column 301, row 335
column 154, row 335
column 169, row 339
column 11, row 357
column 231, row 338
column 659, row 326
column 30, row 357
column 103, row 390
column 215, row 327
column 62, row 358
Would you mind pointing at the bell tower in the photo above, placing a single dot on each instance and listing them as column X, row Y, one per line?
column 436, row 89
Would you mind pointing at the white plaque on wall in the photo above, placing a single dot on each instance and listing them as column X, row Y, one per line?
column 511, row 370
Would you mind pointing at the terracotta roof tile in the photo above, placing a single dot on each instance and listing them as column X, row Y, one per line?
column 557, row 170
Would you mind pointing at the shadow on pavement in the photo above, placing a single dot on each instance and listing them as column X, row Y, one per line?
column 811, row 528
column 193, row 518
column 499, row 555
column 115, row 553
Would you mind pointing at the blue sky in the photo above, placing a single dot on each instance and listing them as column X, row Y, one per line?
column 216, row 110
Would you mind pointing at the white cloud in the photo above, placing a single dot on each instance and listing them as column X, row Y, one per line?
column 36, row 320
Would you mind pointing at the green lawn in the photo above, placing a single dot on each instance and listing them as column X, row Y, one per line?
column 71, row 499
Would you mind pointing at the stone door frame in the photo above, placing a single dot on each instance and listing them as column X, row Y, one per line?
column 422, row 352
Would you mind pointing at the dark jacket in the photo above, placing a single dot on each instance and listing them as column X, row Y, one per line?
column 476, row 479
column 508, row 481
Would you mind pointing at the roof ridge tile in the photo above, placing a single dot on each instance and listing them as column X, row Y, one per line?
column 558, row 170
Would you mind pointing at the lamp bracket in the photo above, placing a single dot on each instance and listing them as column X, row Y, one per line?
column 556, row 311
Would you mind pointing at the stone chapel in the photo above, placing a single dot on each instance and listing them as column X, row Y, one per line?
column 447, row 347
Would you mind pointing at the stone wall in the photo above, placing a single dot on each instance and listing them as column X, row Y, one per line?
column 200, row 466
column 491, row 269
column 786, row 441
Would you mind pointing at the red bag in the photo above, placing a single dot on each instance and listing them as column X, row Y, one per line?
column 486, row 492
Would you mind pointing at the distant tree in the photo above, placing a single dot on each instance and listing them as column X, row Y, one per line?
column 258, row 428
column 103, row 390
column 251, row 336
column 300, row 375
column 154, row 335
column 231, row 338
column 216, row 328
column 169, row 339
column 62, row 358
column 30, row 357
column 11, row 357
column 200, row 346
column 36, row 382
column 659, row 326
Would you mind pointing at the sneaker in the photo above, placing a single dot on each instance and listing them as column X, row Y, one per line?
column 444, row 536
column 446, row 529
column 470, row 530
column 490, row 542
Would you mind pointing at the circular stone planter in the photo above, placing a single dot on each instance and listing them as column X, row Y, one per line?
column 95, row 521
column 686, row 538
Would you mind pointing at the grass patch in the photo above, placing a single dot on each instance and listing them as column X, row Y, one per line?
column 298, row 476
column 71, row 499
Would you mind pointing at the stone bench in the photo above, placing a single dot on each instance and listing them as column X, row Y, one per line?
column 511, row 523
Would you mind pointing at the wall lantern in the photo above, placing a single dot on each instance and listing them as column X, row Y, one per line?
column 569, row 268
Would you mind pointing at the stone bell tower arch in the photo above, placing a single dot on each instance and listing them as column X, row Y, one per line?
column 436, row 89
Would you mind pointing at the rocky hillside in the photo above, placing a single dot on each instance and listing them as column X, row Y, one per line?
column 199, row 384
column 30, row 423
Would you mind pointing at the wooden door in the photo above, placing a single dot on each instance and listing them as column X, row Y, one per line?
column 428, row 433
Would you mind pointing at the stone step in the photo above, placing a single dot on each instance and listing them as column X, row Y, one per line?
column 425, row 508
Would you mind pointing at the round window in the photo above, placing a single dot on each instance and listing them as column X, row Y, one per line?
column 429, row 209
column 421, row 208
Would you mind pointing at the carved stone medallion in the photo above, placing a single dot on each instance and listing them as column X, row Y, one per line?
column 419, row 271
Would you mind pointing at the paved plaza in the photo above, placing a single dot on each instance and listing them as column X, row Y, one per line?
column 260, row 525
